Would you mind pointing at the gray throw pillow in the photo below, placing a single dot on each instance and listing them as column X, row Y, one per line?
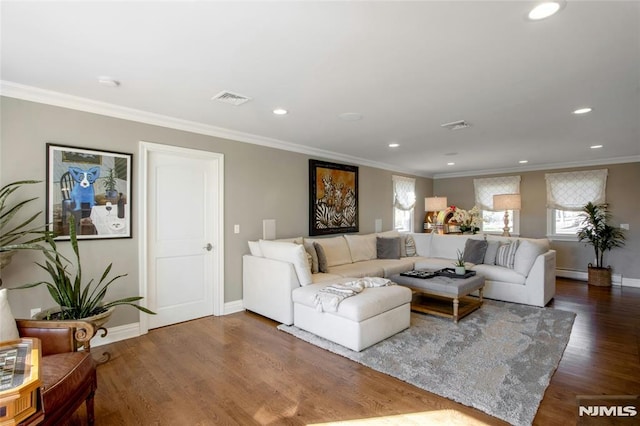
column 388, row 248
column 311, row 249
column 506, row 254
column 322, row 258
column 492, row 251
column 474, row 251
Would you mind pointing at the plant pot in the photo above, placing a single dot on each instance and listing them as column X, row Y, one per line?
column 600, row 277
column 97, row 320
column 460, row 270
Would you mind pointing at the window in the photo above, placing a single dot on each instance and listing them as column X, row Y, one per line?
column 567, row 193
column 485, row 189
column 404, row 200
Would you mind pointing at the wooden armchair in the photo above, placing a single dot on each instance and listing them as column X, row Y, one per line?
column 68, row 376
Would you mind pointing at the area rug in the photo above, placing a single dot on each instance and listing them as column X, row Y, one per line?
column 498, row 359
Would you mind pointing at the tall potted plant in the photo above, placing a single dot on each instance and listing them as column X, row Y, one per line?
column 110, row 186
column 595, row 231
column 74, row 298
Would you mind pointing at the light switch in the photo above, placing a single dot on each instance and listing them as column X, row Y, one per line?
column 236, row 229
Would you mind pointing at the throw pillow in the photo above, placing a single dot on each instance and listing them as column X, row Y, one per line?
column 527, row 253
column 289, row 252
column 492, row 251
column 8, row 329
column 506, row 254
column 388, row 248
column 322, row 258
column 311, row 249
column 410, row 246
column 474, row 251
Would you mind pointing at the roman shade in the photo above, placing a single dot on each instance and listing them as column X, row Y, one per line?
column 572, row 190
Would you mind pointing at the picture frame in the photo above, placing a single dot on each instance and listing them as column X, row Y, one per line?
column 93, row 186
column 333, row 198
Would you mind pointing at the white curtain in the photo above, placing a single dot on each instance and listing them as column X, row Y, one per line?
column 486, row 188
column 404, row 193
column 572, row 190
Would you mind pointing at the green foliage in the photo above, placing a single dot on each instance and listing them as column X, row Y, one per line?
column 595, row 231
column 23, row 235
column 75, row 299
column 460, row 259
column 109, row 181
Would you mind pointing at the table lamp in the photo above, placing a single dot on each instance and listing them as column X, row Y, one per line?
column 506, row 202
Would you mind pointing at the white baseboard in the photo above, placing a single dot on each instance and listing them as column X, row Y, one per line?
column 128, row 331
column 616, row 279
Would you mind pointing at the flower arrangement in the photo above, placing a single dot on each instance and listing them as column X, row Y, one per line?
column 468, row 220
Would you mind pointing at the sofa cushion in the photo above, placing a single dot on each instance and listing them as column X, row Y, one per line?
column 393, row 266
column 289, row 252
column 423, row 244
column 322, row 277
column 8, row 328
column 433, row 263
column 388, row 248
column 254, row 248
column 336, row 250
column 367, row 304
column 506, row 254
column 362, row 247
column 499, row 273
column 492, row 251
column 528, row 251
column 367, row 268
column 474, row 250
column 447, row 246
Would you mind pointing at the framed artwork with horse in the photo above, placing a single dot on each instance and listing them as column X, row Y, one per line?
column 333, row 198
column 93, row 187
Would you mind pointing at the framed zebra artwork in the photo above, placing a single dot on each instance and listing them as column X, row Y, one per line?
column 333, row 198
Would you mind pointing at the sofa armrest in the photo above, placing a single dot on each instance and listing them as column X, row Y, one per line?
column 266, row 287
column 541, row 281
column 57, row 336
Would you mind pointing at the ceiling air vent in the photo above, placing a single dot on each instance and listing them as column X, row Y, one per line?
column 456, row 125
column 234, row 99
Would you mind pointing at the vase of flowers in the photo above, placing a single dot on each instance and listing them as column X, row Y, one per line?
column 468, row 220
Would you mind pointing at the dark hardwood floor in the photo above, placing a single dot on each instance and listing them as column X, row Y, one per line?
column 239, row 370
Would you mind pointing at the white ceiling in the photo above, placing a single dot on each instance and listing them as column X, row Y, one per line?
column 407, row 67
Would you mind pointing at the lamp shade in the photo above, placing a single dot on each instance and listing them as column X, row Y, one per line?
column 506, row 202
column 435, row 204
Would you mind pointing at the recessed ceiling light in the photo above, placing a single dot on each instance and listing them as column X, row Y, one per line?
column 351, row 116
column 451, row 164
column 394, row 145
column 523, row 161
column 544, row 10
column 582, row 110
column 595, row 146
column 108, row 81
column 280, row 111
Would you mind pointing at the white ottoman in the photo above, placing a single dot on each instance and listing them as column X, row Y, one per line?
column 360, row 321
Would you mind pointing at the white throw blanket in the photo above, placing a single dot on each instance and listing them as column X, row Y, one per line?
column 328, row 298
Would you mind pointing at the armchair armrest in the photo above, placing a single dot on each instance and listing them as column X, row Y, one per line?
column 58, row 336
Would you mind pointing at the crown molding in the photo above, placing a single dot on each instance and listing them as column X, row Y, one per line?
column 49, row 97
column 548, row 166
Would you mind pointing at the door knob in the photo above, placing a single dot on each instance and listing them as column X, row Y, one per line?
column 208, row 247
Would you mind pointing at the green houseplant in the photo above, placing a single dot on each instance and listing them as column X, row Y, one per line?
column 17, row 235
column 74, row 298
column 595, row 231
column 459, row 263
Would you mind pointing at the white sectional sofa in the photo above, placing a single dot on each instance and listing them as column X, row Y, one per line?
column 279, row 278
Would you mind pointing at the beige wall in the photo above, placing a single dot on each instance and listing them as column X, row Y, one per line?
column 260, row 183
column 622, row 196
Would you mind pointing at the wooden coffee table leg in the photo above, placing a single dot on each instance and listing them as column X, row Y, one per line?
column 480, row 293
column 455, row 309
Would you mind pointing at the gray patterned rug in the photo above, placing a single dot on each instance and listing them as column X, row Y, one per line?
column 498, row 359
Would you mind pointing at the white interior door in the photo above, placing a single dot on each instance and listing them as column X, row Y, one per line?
column 183, row 211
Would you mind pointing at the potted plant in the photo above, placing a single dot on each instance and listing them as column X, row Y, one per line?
column 110, row 186
column 74, row 298
column 15, row 236
column 459, row 264
column 596, row 232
